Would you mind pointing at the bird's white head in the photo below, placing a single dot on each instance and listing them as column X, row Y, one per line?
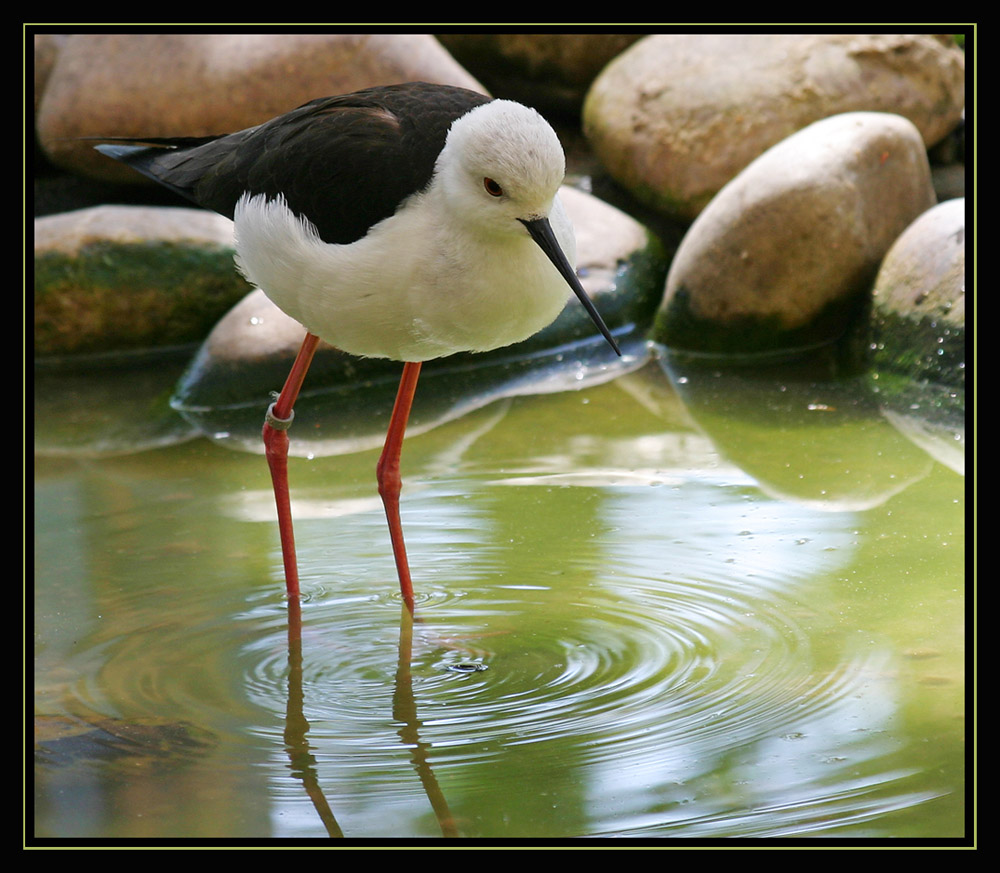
column 499, row 175
column 501, row 163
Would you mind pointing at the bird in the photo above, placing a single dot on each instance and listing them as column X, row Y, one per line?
column 407, row 222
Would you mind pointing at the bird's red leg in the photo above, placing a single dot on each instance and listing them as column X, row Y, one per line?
column 387, row 472
column 276, row 424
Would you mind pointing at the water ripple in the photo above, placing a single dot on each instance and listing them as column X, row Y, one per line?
column 648, row 684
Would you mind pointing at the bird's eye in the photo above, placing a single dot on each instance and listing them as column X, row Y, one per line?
column 492, row 188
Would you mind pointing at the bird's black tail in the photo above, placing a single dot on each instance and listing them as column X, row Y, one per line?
column 156, row 157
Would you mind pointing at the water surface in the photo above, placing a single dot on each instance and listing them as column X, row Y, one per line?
column 694, row 606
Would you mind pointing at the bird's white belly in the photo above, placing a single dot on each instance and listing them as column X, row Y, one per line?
column 409, row 290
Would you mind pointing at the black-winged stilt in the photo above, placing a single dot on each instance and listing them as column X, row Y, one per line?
column 406, row 222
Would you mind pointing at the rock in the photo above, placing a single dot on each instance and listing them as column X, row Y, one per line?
column 782, row 256
column 919, row 299
column 46, row 50
column 112, row 278
column 918, row 334
column 191, row 84
column 676, row 116
column 551, row 71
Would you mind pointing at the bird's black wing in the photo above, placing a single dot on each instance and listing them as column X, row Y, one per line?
column 343, row 162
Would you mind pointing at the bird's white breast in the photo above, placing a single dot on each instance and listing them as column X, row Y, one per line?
column 416, row 287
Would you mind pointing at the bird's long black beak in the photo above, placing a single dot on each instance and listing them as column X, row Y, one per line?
column 541, row 233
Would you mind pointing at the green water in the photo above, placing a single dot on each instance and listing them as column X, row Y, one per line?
column 707, row 606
